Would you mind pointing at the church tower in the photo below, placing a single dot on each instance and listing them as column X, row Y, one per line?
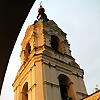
column 48, row 70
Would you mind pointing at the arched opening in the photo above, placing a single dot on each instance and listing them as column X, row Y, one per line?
column 54, row 42
column 24, row 92
column 65, row 88
column 27, row 51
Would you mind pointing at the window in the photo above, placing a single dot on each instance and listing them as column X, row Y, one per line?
column 24, row 92
column 64, row 87
column 54, row 42
column 27, row 51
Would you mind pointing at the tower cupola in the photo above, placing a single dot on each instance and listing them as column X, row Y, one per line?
column 41, row 14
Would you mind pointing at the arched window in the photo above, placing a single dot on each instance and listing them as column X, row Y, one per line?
column 24, row 92
column 65, row 90
column 27, row 51
column 54, row 42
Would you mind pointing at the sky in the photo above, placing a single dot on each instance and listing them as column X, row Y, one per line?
column 80, row 20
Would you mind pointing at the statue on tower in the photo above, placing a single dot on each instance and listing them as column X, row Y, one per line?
column 41, row 14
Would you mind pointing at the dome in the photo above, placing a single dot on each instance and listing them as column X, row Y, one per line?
column 41, row 10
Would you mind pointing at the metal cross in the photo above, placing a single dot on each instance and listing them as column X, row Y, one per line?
column 40, row 3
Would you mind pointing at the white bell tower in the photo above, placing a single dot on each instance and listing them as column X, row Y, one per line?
column 48, row 71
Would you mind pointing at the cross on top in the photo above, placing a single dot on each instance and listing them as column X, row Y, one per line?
column 40, row 3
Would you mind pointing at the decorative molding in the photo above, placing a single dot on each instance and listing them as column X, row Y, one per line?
column 77, row 74
column 80, row 93
column 30, row 89
column 51, row 84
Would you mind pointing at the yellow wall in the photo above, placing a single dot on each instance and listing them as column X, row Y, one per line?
column 94, row 96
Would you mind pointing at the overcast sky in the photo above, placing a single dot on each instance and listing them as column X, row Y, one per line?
column 80, row 19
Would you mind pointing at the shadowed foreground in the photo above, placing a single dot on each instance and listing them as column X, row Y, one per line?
column 12, row 16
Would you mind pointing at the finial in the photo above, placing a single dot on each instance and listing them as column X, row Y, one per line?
column 96, row 89
column 41, row 9
column 41, row 14
column 41, row 4
column 97, row 86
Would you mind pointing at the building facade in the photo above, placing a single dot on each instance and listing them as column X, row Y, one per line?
column 93, row 96
column 48, row 71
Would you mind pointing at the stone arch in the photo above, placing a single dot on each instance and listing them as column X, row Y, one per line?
column 27, row 51
column 66, row 88
column 25, row 91
column 56, row 44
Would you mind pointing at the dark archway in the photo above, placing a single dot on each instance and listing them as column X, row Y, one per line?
column 54, row 42
column 27, row 51
column 64, row 83
column 24, row 91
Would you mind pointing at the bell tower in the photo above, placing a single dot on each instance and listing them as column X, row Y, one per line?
column 48, row 70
